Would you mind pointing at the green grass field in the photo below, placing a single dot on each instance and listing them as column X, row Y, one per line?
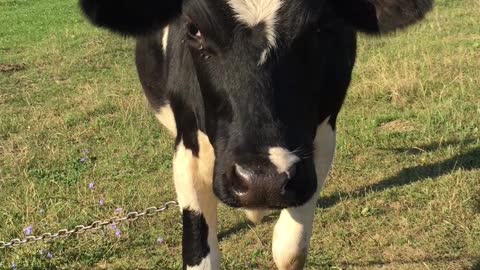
column 404, row 191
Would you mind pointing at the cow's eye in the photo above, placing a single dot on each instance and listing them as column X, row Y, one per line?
column 193, row 31
column 197, row 41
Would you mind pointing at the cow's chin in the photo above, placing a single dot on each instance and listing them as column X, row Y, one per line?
column 223, row 190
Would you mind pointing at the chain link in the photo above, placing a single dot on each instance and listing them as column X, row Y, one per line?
column 80, row 229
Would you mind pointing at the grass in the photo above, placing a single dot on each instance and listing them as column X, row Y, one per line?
column 404, row 192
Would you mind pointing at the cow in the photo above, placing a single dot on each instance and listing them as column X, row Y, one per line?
column 250, row 90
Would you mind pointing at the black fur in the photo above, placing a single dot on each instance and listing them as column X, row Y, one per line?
column 195, row 238
column 129, row 17
column 381, row 16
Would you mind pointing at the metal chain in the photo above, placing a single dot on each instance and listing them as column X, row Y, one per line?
column 79, row 229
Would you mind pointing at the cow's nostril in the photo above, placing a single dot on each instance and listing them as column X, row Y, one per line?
column 244, row 179
column 243, row 174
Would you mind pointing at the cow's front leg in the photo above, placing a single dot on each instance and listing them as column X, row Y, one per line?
column 291, row 235
column 193, row 175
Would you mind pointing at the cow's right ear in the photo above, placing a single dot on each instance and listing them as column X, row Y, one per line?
column 381, row 16
column 129, row 17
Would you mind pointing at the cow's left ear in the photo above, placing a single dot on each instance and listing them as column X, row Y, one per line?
column 381, row 16
column 131, row 17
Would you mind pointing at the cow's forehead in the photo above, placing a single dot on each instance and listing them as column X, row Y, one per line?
column 256, row 12
column 274, row 21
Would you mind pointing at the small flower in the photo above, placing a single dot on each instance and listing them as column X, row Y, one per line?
column 160, row 240
column 28, row 230
column 118, row 233
column 14, row 266
column 91, row 185
column 101, row 202
column 119, row 210
column 49, row 255
column 113, row 226
column 83, row 160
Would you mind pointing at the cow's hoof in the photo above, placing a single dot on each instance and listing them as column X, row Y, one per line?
column 290, row 261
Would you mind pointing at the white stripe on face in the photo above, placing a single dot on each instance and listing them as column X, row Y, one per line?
column 254, row 12
column 282, row 158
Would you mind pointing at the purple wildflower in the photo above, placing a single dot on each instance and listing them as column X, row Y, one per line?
column 91, row 185
column 14, row 266
column 83, row 160
column 118, row 233
column 160, row 240
column 28, row 230
column 119, row 210
column 113, row 226
column 101, row 202
column 49, row 255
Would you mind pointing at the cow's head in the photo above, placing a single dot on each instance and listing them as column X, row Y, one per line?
column 263, row 73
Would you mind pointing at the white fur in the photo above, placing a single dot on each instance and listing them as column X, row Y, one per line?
column 282, row 158
column 165, row 40
column 254, row 12
column 324, row 151
column 291, row 235
column 167, row 119
column 208, row 263
column 256, row 216
column 193, row 178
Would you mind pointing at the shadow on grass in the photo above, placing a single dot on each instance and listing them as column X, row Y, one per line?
column 476, row 265
column 462, row 263
column 466, row 161
column 244, row 225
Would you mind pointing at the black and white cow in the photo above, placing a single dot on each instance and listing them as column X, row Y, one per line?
column 251, row 90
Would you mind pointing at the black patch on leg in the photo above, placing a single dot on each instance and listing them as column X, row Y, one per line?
column 195, row 238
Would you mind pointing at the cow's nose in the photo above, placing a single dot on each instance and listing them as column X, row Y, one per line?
column 252, row 181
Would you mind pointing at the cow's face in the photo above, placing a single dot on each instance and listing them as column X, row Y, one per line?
column 257, row 70
column 259, row 87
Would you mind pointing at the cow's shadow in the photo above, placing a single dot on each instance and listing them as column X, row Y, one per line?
column 469, row 160
column 476, row 265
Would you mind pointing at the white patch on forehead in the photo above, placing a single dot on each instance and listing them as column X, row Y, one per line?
column 254, row 12
column 282, row 158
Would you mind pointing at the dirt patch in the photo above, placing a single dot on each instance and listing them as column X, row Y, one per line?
column 397, row 126
column 9, row 68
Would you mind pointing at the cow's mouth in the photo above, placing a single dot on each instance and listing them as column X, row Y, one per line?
column 265, row 194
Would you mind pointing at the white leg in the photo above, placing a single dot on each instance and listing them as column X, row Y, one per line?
column 291, row 235
column 193, row 183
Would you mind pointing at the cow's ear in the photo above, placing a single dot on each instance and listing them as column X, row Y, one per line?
column 131, row 17
column 381, row 16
